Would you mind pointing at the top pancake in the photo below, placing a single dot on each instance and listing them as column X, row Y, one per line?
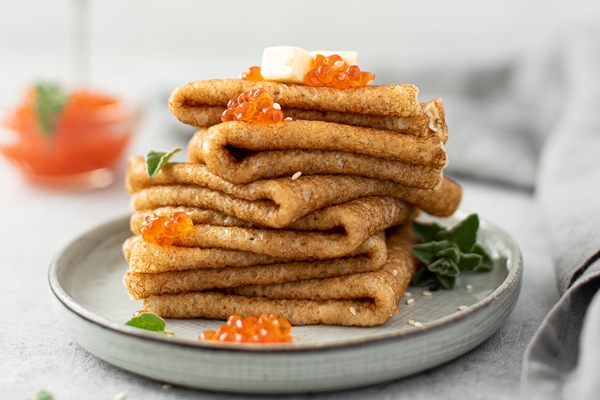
column 391, row 100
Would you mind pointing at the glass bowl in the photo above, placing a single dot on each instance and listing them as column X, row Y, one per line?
column 87, row 142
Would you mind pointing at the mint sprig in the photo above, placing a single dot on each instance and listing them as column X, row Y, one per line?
column 155, row 160
column 42, row 395
column 50, row 99
column 446, row 253
column 150, row 322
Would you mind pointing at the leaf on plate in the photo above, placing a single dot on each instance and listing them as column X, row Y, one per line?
column 426, row 231
column 155, row 160
column 486, row 261
column 150, row 322
column 448, row 252
column 444, row 266
column 426, row 252
column 424, row 277
column 451, row 252
column 469, row 262
column 446, row 281
column 463, row 234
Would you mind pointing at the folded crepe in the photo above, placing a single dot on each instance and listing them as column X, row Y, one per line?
column 170, row 278
column 431, row 123
column 148, row 257
column 390, row 100
column 361, row 299
column 275, row 202
column 240, row 152
column 327, row 233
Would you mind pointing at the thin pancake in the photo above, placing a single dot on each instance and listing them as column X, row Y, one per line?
column 318, row 135
column 431, row 123
column 327, row 233
column 390, row 100
column 276, row 202
column 371, row 256
column 364, row 299
column 255, row 153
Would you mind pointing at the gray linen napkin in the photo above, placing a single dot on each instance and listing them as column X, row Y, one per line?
column 563, row 359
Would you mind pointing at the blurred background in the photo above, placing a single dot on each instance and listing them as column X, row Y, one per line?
column 492, row 62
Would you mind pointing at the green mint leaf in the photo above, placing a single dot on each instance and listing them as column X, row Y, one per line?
column 426, row 252
column 155, row 160
column 444, row 266
column 463, row 234
column 42, row 395
column 50, row 100
column 451, row 253
column 149, row 321
column 448, row 252
column 469, row 262
column 486, row 261
column 426, row 232
column 446, row 281
column 423, row 277
column 485, row 257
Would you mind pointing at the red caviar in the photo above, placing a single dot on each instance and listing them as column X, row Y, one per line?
column 264, row 329
column 252, row 74
column 333, row 71
column 164, row 230
column 91, row 133
column 255, row 106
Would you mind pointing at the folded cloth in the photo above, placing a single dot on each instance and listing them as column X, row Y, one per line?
column 563, row 359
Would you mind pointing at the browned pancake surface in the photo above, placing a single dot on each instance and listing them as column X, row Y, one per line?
column 363, row 299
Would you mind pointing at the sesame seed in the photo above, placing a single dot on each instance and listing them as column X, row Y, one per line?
column 276, row 106
column 462, row 308
column 426, row 293
column 395, row 272
column 167, row 387
column 432, row 127
column 411, row 322
column 410, row 301
column 407, row 294
column 353, row 310
column 469, row 287
column 120, row 396
column 417, row 324
column 287, row 119
column 296, row 175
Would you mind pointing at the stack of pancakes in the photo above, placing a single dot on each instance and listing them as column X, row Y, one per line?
column 308, row 218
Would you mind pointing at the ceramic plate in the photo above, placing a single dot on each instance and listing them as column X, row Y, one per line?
column 90, row 301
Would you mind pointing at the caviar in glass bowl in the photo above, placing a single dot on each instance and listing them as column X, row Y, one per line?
column 72, row 140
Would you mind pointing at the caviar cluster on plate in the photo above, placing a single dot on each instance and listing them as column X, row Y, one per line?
column 264, row 329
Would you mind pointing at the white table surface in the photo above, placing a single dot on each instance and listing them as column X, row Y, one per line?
column 36, row 353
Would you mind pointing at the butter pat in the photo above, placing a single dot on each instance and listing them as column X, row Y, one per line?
column 350, row 57
column 285, row 64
